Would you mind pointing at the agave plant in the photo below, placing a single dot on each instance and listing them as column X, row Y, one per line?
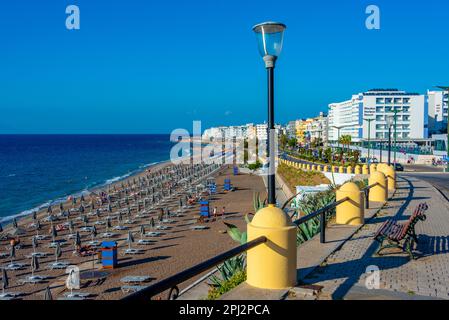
column 257, row 203
column 309, row 204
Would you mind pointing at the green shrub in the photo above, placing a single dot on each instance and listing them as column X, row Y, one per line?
column 227, row 285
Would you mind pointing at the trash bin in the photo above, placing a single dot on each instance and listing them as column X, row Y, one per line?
column 204, row 209
column 109, row 254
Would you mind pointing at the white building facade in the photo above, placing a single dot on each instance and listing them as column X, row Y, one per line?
column 351, row 116
column 438, row 111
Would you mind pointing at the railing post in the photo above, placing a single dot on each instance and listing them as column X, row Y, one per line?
column 323, row 227
column 367, row 198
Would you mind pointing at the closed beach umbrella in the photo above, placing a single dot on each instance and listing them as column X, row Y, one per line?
column 58, row 252
column 5, row 280
column 152, row 222
column 1, row 228
column 77, row 239
column 34, row 215
column 109, row 207
column 34, row 264
column 14, row 223
column 38, row 226
column 85, row 220
column 47, row 294
column 54, row 233
column 81, row 209
column 34, row 243
column 12, row 253
column 49, row 210
column 94, row 232
column 108, row 223
column 142, row 231
column 130, row 239
column 71, row 226
column 61, row 207
column 82, row 198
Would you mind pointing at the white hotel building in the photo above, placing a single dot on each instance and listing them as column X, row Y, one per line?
column 376, row 105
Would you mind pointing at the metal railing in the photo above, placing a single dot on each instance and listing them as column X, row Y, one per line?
column 322, row 213
column 171, row 283
column 366, row 192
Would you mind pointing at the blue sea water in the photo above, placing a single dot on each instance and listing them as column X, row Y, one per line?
column 38, row 169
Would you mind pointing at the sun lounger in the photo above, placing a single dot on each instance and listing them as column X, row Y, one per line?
column 107, row 235
column 120, row 228
column 198, row 227
column 55, row 243
column 38, row 254
column 10, row 295
column 99, row 222
column 86, row 229
column 77, row 295
column 133, row 251
column 153, row 234
column 32, row 279
column 15, row 266
column 58, row 265
column 94, row 243
column 145, row 242
column 160, row 227
column 4, row 255
column 131, row 288
column 41, row 237
column 135, row 279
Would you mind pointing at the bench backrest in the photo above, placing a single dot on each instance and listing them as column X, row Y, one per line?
column 417, row 215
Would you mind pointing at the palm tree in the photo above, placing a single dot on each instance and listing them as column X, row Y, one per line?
column 345, row 140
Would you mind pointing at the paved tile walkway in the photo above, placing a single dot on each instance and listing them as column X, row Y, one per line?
column 344, row 272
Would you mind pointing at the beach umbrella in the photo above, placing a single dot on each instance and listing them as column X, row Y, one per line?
column 58, row 252
column 49, row 210
column 61, row 207
column 85, row 220
column 108, row 223
column 142, row 231
column 34, row 264
column 5, row 280
column 109, row 207
column 78, row 239
column 81, row 209
column 1, row 228
column 34, row 215
column 14, row 223
column 34, row 243
column 130, row 239
column 73, row 201
column 38, row 226
column 54, row 233
column 47, row 294
column 94, row 232
column 71, row 226
column 152, row 223
column 82, row 198
column 12, row 253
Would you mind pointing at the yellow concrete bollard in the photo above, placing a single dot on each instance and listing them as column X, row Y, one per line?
column 358, row 169
column 308, row 167
column 379, row 193
column 372, row 168
column 313, row 167
column 325, row 168
column 390, row 173
column 272, row 265
column 349, row 169
column 341, row 169
column 352, row 211
column 365, row 169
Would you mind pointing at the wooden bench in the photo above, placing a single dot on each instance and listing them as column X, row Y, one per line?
column 393, row 234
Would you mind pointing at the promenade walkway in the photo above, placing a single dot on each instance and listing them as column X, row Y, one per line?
column 343, row 274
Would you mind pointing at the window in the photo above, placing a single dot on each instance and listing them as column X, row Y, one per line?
column 380, row 126
column 388, row 100
column 397, row 100
column 406, row 109
column 388, row 109
column 405, row 118
column 380, row 100
column 406, row 100
column 379, row 109
column 379, row 118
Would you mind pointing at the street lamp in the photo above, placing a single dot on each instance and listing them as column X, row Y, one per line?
column 390, row 121
column 270, row 36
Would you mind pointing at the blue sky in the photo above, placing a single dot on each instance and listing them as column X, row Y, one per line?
column 143, row 66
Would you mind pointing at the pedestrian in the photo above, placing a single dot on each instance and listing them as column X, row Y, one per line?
column 214, row 211
column 223, row 212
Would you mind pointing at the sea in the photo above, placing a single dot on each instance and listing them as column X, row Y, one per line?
column 38, row 170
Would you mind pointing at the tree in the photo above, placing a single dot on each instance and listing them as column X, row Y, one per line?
column 283, row 140
column 345, row 140
column 292, row 142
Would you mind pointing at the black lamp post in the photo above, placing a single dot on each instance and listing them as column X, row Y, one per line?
column 270, row 36
column 390, row 120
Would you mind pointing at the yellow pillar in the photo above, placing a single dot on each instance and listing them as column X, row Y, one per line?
column 341, row 169
column 365, row 169
column 357, row 169
column 350, row 212
column 334, row 169
column 313, row 167
column 390, row 173
column 379, row 193
column 372, row 168
column 272, row 265
column 325, row 168
column 349, row 169
column 308, row 167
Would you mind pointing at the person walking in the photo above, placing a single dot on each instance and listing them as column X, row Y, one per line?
column 214, row 212
column 223, row 212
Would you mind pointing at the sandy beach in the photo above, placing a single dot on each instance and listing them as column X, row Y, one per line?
column 177, row 248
